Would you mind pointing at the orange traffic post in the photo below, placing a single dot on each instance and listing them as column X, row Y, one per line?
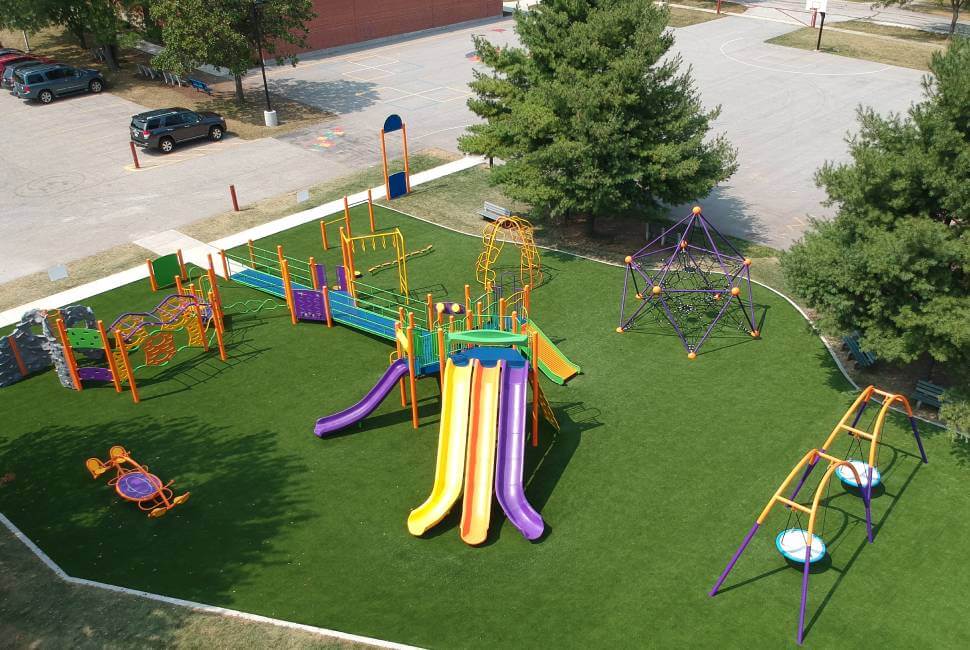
column 232, row 196
column 69, row 354
column 411, row 370
column 134, row 154
column 370, row 210
column 314, row 280
column 151, row 275
column 123, row 349
column 288, row 290
column 323, row 235
column 21, row 366
column 400, row 352
column 178, row 256
column 112, row 366
column 252, row 254
column 326, row 305
column 407, row 167
column 387, row 183
column 347, row 217
column 534, row 344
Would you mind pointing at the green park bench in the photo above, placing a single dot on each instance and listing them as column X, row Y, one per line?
column 927, row 393
column 862, row 358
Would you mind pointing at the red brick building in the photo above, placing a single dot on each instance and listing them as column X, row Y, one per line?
column 342, row 22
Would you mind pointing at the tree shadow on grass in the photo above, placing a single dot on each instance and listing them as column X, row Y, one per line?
column 244, row 493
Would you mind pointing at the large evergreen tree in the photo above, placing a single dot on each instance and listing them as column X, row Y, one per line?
column 591, row 115
column 895, row 262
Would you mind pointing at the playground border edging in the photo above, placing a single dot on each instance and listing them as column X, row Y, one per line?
column 198, row 607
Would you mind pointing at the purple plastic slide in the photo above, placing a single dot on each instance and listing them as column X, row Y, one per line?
column 511, row 452
column 364, row 407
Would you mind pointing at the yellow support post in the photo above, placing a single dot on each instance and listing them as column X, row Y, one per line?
column 535, row 388
column 411, row 369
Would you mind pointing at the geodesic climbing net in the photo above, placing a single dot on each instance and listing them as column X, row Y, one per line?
column 691, row 277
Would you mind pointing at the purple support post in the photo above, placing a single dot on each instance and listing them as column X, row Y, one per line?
column 710, row 328
column 919, row 441
column 867, row 500
column 734, row 559
column 801, row 611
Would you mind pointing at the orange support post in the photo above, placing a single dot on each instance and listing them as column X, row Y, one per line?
column 178, row 285
column 501, row 313
column 214, row 284
column 178, row 254
column 526, row 299
column 370, row 210
column 515, row 323
column 151, row 275
column 323, row 235
column 478, row 315
column 112, row 366
column 326, row 305
column 217, row 321
column 21, row 366
column 430, row 312
column 279, row 254
column 442, row 352
column 407, row 167
column 252, row 254
column 411, row 369
column 120, row 342
column 534, row 344
column 288, row 290
column 468, row 299
column 387, row 183
column 347, row 217
column 400, row 352
column 311, row 263
column 69, row 355
column 225, row 264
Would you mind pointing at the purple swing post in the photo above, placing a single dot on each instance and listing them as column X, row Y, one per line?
column 690, row 281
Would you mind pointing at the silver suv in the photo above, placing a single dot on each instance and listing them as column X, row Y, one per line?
column 43, row 83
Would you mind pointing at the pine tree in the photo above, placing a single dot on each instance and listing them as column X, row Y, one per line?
column 894, row 264
column 592, row 116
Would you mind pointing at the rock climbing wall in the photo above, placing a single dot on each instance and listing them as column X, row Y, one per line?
column 38, row 345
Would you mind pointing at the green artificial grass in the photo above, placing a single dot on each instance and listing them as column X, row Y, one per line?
column 661, row 466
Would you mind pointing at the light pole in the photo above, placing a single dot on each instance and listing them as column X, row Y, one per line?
column 269, row 115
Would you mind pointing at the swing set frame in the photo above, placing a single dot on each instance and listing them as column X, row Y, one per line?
column 807, row 464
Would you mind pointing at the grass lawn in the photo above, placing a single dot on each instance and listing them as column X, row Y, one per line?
column 660, row 468
column 243, row 119
column 903, row 33
column 908, row 54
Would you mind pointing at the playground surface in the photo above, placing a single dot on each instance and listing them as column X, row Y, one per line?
column 660, row 466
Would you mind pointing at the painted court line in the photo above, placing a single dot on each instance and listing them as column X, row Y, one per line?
column 198, row 607
column 771, row 69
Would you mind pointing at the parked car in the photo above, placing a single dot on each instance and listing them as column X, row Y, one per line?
column 6, row 80
column 9, row 50
column 7, row 60
column 163, row 128
column 47, row 82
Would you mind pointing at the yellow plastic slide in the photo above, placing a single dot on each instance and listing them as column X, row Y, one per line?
column 480, row 466
column 450, row 467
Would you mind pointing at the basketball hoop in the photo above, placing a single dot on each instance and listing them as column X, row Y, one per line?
column 816, row 7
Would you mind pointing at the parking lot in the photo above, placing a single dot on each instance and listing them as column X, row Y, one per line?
column 72, row 189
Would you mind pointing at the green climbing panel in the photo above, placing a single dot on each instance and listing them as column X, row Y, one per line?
column 84, row 339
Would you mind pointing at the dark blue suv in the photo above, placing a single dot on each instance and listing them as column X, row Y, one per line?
column 44, row 83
